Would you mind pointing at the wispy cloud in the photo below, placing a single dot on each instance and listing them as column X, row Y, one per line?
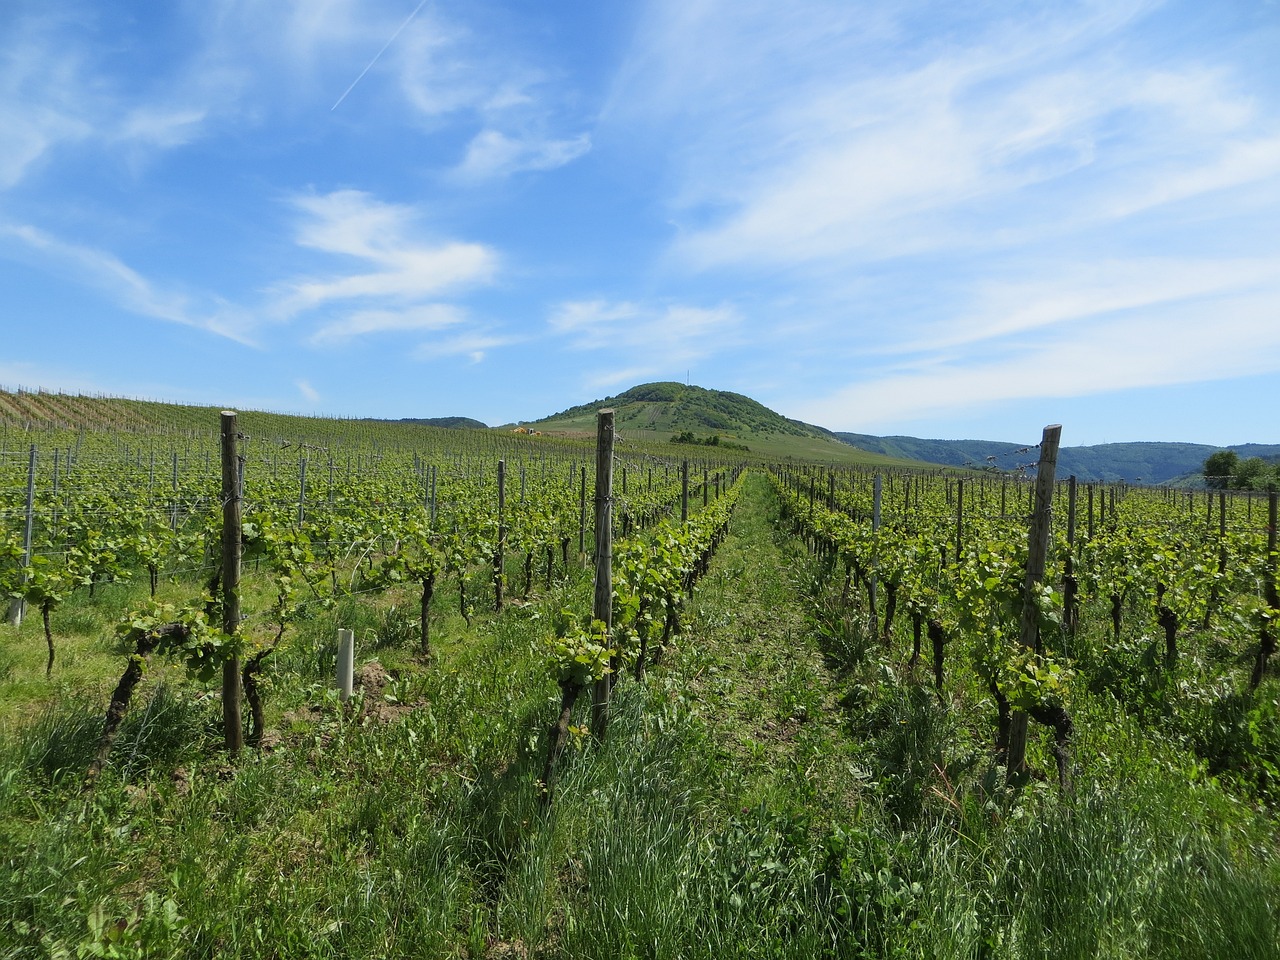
column 475, row 346
column 1153, row 345
column 126, row 287
column 1072, row 292
column 44, row 100
column 59, row 87
column 163, row 127
column 861, row 141
column 307, row 390
column 451, row 71
column 431, row 316
column 643, row 339
column 494, row 154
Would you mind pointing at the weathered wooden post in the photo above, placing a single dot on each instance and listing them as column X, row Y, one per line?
column 877, row 494
column 233, row 731
column 1038, row 546
column 582, row 516
column 302, row 489
column 18, row 606
column 1267, row 645
column 684, row 491
column 1070, row 585
column 499, row 548
column 602, row 608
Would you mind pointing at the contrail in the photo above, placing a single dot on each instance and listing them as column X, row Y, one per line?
column 422, row 4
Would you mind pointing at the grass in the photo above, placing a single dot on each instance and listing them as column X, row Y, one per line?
column 779, row 786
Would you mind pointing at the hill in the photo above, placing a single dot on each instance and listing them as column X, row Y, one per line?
column 1147, row 462
column 39, row 410
column 657, row 412
column 449, row 423
column 651, row 413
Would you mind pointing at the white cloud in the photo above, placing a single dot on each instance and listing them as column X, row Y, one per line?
column 430, row 316
column 405, row 268
column 163, row 127
column 1232, row 336
column 589, row 316
column 492, row 153
column 1071, row 292
column 474, row 346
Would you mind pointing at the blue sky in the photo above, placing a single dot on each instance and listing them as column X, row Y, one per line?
column 938, row 219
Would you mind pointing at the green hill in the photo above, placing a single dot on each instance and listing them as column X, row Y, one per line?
column 647, row 414
column 657, row 412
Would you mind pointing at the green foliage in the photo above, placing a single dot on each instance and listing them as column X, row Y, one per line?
column 1225, row 470
column 580, row 654
column 201, row 647
column 714, row 440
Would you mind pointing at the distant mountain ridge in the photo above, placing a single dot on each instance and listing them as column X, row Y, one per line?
column 451, row 423
column 1145, row 462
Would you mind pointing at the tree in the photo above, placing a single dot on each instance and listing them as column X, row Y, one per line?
column 1220, row 469
column 1251, row 474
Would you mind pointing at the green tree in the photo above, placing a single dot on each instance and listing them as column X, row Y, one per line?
column 1220, row 469
column 1251, row 474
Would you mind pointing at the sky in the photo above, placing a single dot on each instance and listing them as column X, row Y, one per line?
column 893, row 217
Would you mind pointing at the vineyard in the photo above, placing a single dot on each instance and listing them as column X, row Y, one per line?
column 618, row 700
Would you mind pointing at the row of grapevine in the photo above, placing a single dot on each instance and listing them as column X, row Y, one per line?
column 1148, row 575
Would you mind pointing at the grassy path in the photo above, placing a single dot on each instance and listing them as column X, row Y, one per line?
column 756, row 669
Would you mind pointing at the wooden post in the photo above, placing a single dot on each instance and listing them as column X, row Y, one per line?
column 18, row 606
column 433, row 495
column 684, row 491
column 302, row 489
column 1271, row 591
column 704, row 485
column 502, row 536
column 582, row 515
column 1070, row 585
column 233, row 731
column 173, row 516
column 1089, row 528
column 346, row 663
column 602, row 608
column 1038, row 547
column 959, row 519
column 877, row 493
